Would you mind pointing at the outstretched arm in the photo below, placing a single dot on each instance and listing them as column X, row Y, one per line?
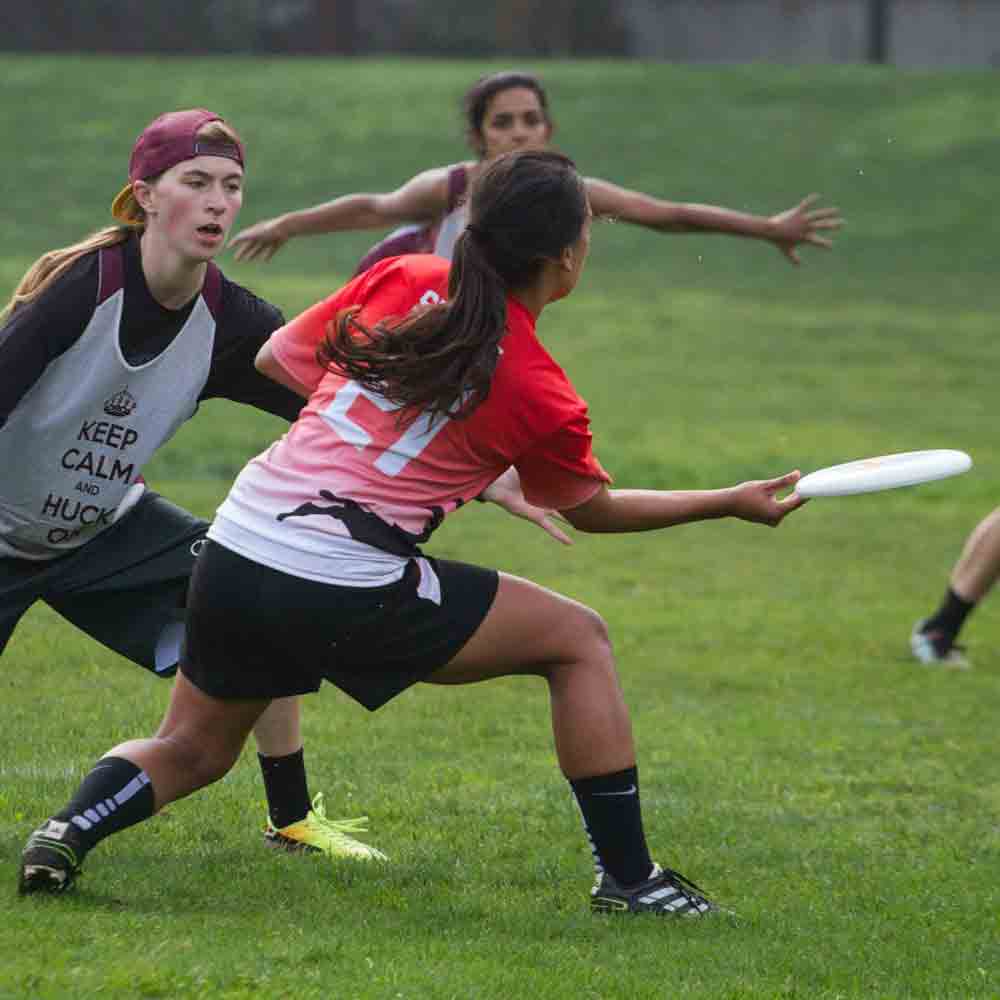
column 647, row 510
column 420, row 199
column 787, row 230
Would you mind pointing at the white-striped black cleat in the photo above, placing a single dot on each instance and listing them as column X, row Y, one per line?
column 51, row 859
column 666, row 893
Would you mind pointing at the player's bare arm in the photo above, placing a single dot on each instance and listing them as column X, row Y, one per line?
column 646, row 510
column 802, row 223
column 420, row 199
column 268, row 365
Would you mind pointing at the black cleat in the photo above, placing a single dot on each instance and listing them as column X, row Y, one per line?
column 50, row 860
column 666, row 893
column 936, row 648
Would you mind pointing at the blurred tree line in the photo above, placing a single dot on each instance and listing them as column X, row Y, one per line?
column 348, row 27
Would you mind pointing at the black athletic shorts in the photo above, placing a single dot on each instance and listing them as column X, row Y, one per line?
column 255, row 632
column 126, row 588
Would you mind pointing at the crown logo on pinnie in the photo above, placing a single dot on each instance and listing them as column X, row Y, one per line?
column 121, row 404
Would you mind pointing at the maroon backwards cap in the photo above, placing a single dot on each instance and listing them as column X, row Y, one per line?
column 173, row 138
column 166, row 141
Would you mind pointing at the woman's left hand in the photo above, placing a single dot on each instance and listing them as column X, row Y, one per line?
column 803, row 224
column 506, row 492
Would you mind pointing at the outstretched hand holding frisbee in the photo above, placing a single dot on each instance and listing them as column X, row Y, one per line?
column 757, row 500
column 884, row 472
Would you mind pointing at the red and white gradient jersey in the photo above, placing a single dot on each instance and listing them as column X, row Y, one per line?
column 347, row 470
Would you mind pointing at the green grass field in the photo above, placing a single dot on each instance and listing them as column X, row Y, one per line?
column 795, row 762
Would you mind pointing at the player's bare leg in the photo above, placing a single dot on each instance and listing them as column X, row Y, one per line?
column 198, row 741
column 533, row 631
column 278, row 731
column 979, row 564
column 933, row 640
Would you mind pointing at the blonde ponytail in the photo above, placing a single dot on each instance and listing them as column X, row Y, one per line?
column 54, row 264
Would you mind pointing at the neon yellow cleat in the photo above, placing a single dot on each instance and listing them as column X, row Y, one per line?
column 316, row 833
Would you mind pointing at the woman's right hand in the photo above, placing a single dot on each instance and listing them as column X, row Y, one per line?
column 261, row 241
column 757, row 501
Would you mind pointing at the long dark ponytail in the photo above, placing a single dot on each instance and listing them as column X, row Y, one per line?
column 525, row 208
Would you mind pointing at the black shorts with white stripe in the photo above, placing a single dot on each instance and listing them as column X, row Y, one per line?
column 255, row 632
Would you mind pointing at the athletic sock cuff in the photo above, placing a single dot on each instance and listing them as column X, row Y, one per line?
column 603, row 783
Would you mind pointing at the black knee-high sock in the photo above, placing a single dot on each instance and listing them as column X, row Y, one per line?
column 114, row 795
column 613, row 820
column 950, row 616
column 286, row 787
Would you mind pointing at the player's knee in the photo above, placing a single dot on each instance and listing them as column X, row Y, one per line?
column 584, row 640
column 592, row 634
column 589, row 655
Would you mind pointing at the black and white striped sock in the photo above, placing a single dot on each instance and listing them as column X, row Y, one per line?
column 114, row 795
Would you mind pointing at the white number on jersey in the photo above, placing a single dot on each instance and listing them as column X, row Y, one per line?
column 403, row 450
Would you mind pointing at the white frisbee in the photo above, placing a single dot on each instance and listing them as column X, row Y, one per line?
column 883, row 472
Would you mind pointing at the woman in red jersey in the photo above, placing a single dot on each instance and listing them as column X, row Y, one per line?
column 313, row 570
column 504, row 112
